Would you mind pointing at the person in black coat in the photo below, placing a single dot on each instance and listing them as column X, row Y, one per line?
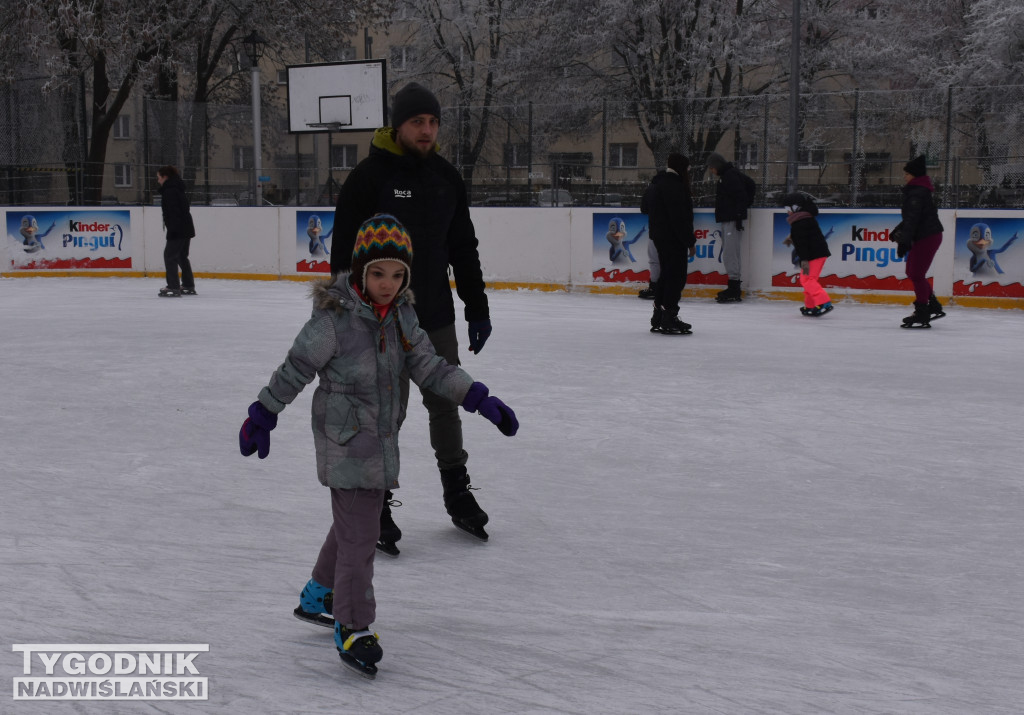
column 181, row 230
column 404, row 176
column 810, row 249
column 919, row 237
column 669, row 208
column 734, row 194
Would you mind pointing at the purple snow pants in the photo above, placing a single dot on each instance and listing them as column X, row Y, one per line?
column 346, row 558
column 919, row 260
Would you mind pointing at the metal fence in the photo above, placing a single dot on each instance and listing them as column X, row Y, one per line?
column 853, row 146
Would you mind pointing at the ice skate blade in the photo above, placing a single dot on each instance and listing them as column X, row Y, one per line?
column 475, row 531
column 915, row 326
column 317, row 619
column 367, row 671
column 388, row 547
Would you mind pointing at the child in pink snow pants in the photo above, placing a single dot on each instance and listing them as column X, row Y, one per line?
column 810, row 251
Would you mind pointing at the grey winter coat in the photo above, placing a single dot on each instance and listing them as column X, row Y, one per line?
column 356, row 406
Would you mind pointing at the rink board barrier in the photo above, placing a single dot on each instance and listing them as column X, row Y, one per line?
column 600, row 250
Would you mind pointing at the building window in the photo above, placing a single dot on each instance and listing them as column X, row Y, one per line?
column 122, row 175
column 243, row 157
column 516, row 154
column 122, row 127
column 343, row 156
column 282, row 76
column 750, row 155
column 402, row 57
column 623, row 155
column 813, row 158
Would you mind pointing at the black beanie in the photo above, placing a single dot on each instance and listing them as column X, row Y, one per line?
column 717, row 162
column 916, row 167
column 411, row 100
column 678, row 163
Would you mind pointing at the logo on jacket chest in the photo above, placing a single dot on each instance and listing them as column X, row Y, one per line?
column 403, row 193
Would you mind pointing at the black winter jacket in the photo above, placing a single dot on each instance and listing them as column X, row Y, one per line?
column 669, row 208
column 919, row 213
column 429, row 197
column 808, row 241
column 175, row 208
column 731, row 198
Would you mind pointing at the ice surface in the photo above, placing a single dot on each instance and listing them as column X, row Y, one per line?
column 775, row 514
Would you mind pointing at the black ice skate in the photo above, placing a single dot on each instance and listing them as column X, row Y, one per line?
column 732, row 294
column 656, row 318
column 818, row 310
column 389, row 531
column 168, row 292
column 672, row 325
column 935, row 308
column 648, row 292
column 460, row 503
column 359, row 650
column 920, row 319
column 188, row 291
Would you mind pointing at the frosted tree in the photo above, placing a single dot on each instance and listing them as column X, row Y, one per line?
column 676, row 67
column 209, row 64
column 109, row 46
column 113, row 47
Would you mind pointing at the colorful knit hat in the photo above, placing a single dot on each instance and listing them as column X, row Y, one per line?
column 381, row 238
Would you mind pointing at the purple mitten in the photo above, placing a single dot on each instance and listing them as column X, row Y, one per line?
column 477, row 392
column 500, row 414
column 255, row 433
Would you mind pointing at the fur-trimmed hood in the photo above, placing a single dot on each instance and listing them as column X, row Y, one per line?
column 338, row 294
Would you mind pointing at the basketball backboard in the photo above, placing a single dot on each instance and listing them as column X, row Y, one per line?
column 337, row 96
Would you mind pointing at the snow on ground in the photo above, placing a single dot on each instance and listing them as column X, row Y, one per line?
column 775, row 514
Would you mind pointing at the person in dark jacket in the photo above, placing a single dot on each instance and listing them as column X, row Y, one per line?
column 180, row 231
column 669, row 208
column 919, row 238
column 734, row 194
column 810, row 249
column 404, row 176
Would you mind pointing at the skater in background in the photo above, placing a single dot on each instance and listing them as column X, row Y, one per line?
column 404, row 175
column 669, row 207
column 919, row 237
column 362, row 334
column 734, row 194
column 180, row 231
column 811, row 250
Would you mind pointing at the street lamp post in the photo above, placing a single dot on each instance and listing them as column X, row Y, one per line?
column 254, row 45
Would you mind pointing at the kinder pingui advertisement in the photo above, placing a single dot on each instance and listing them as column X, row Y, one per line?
column 989, row 257
column 69, row 239
column 862, row 257
column 621, row 244
column 313, row 230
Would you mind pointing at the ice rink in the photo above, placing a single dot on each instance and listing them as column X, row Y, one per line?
column 776, row 514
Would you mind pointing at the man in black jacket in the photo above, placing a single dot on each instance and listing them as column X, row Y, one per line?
column 404, row 176
column 734, row 194
column 669, row 208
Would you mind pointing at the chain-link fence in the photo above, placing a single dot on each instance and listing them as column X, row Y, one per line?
column 851, row 151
